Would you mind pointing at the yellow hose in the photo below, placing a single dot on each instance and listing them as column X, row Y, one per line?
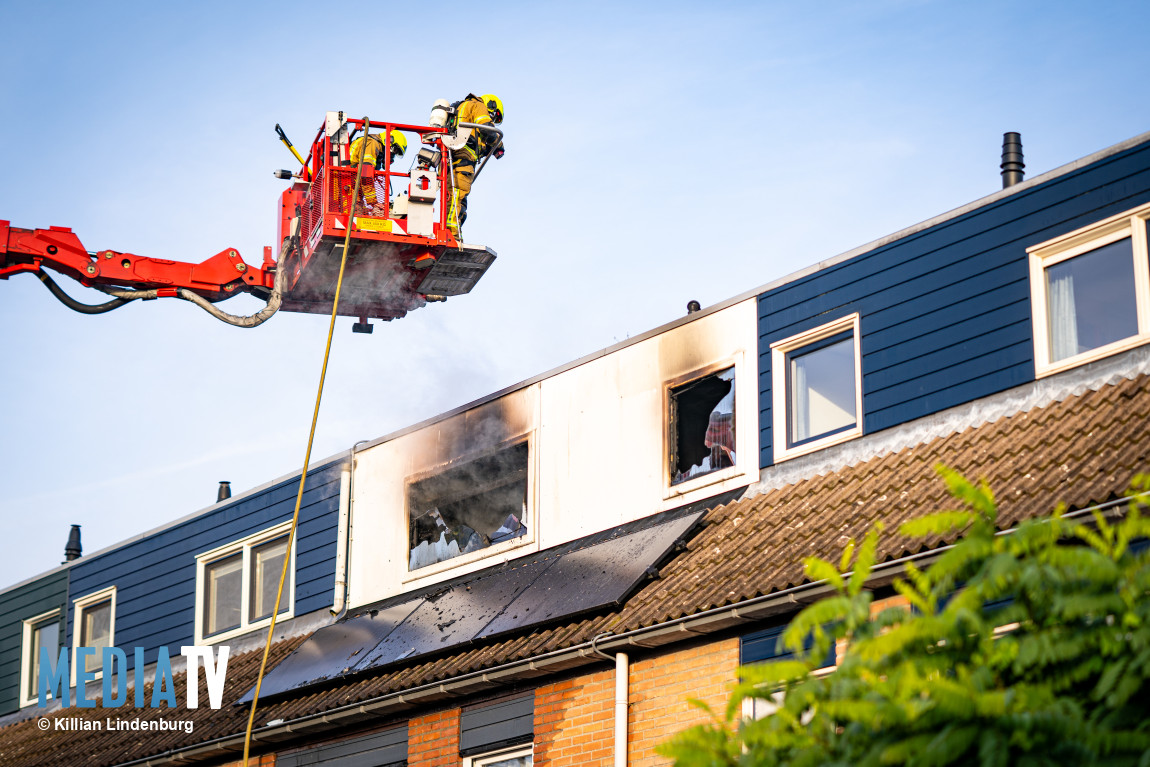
column 307, row 455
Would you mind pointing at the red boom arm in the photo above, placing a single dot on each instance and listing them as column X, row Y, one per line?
column 224, row 274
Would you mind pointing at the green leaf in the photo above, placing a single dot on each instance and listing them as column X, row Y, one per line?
column 848, row 552
column 939, row 523
column 818, row 569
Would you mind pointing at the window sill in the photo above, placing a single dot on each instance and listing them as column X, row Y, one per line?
column 785, row 454
column 496, row 552
column 1043, row 369
column 233, row 633
column 703, row 481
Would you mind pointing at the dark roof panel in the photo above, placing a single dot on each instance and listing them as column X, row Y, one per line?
column 333, row 650
column 599, row 571
column 586, row 579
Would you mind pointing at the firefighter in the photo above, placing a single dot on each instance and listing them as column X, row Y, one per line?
column 373, row 157
column 485, row 110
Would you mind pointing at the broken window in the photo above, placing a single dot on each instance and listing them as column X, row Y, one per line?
column 468, row 507
column 703, row 426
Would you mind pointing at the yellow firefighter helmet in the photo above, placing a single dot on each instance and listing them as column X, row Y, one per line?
column 494, row 107
column 398, row 144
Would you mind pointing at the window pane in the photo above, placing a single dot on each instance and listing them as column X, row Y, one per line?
column 223, row 581
column 468, row 507
column 1090, row 300
column 267, row 566
column 513, row 761
column 95, row 631
column 45, row 644
column 703, row 417
column 821, row 391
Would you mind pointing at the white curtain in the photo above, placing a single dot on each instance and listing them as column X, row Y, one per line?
column 800, row 402
column 1063, row 319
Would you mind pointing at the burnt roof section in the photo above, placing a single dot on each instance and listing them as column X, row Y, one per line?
column 1081, row 451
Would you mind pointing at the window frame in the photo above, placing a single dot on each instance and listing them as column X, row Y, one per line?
column 746, row 430
column 495, row 550
column 781, row 351
column 1130, row 224
column 30, row 625
column 244, row 546
column 486, row 758
column 79, row 605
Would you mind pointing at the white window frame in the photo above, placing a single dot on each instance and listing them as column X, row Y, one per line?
column 30, row 625
column 746, row 429
column 78, row 606
column 1130, row 224
column 502, row 549
column 779, row 398
column 244, row 545
column 760, row 708
column 482, row 760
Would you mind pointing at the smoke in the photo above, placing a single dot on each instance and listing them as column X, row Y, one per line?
column 469, row 505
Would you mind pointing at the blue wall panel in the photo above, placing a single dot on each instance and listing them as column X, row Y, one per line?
column 945, row 312
column 16, row 606
column 155, row 577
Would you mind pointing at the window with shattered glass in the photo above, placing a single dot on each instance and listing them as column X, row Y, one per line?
column 468, row 507
column 703, row 426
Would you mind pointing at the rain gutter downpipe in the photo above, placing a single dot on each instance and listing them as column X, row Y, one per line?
column 343, row 534
column 622, row 673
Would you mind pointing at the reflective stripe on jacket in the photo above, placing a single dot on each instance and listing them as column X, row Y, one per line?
column 473, row 110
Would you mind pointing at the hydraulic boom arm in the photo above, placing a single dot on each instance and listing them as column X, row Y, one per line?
column 127, row 276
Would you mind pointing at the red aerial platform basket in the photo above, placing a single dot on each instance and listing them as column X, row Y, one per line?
column 402, row 252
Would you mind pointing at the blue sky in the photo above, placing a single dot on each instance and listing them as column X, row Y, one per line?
column 656, row 153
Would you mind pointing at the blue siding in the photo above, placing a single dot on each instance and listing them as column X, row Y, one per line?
column 16, row 606
column 945, row 312
column 155, row 577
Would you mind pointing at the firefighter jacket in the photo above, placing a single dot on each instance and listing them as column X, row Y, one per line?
column 473, row 110
column 373, row 155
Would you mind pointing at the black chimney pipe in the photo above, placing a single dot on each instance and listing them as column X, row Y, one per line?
column 73, row 549
column 1012, row 164
column 225, row 491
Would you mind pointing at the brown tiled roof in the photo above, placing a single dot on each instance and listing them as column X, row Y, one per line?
column 1081, row 451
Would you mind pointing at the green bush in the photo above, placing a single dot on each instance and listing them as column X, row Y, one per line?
column 1029, row 648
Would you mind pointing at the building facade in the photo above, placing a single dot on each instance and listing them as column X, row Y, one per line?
column 545, row 576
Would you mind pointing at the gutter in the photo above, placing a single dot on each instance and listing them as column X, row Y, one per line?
column 585, row 653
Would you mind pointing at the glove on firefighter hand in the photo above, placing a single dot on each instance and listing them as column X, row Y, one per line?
column 499, row 151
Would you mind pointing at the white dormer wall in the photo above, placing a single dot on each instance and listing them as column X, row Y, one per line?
column 598, row 445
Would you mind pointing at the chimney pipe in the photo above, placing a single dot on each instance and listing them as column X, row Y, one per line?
column 1012, row 164
column 225, row 491
column 73, row 549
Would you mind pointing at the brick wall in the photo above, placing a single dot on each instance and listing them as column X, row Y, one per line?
column 878, row 605
column 574, row 721
column 433, row 740
column 267, row 760
column 575, row 718
column 660, row 687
